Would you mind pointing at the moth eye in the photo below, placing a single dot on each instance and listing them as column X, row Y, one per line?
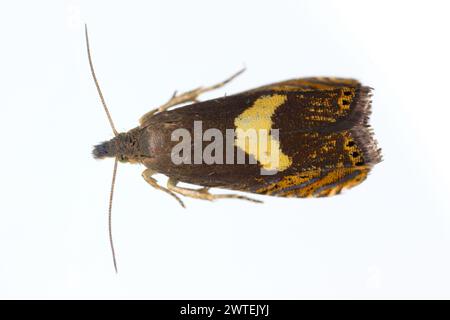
column 355, row 154
column 350, row 143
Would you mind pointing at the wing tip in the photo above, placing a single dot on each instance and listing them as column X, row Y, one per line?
column 365, row 139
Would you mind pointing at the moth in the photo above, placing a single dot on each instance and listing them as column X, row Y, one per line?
column 311, row 138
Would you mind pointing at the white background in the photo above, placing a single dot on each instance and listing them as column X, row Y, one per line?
column 388, row 238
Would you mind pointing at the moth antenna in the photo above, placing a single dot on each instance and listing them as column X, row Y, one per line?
column 111, row 194
column 96, row 82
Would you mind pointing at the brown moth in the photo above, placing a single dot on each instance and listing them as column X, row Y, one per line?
column 312, row 140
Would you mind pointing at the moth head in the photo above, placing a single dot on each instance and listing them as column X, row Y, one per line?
column 123, row 146
column 108, row 149
column 103, row 150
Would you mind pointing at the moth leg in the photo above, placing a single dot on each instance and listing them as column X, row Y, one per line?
column 203, row 193
column 188, row 96
column 147, row 175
